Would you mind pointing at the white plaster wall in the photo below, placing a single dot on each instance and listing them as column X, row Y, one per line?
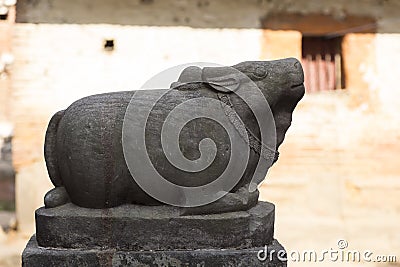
column 388, row 68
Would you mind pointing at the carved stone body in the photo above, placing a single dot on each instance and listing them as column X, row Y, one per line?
column 84, row 153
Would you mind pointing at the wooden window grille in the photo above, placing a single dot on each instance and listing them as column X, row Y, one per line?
column 322, row 63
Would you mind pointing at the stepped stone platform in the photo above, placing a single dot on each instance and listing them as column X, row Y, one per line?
column 134, row 235
column 35, row 256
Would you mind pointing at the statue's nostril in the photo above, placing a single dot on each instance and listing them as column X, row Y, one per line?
column 297, row 65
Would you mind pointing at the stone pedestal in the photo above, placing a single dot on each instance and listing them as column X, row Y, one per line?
column 133, row 235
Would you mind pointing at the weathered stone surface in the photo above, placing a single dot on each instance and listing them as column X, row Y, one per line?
column 83, row 147
column 92, row 217
column 35, row 255
column 134, row 228
column 55, row 197
column 241, row 200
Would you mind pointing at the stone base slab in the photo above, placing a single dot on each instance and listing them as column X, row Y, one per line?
column 136, row 228
column 35, row 256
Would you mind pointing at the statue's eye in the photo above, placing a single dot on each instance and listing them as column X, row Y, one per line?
column 260, row 72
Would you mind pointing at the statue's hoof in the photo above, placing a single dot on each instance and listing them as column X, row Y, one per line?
column 56, row 197
column 241, row 200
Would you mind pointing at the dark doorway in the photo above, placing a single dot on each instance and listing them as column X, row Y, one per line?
column 322, row 62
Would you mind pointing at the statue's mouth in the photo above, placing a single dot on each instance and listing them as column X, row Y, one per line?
column 297, row 85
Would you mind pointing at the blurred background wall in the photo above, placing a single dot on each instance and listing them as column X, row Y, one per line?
column 338, row 175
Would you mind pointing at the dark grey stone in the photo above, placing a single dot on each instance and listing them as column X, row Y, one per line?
column 133, row 227
column 97, row 214
column 56, row 197
column 36, row 256
column 83, row 148
column 241, row 200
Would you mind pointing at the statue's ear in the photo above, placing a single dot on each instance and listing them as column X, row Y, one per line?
column 188, row 75
column 222, row 79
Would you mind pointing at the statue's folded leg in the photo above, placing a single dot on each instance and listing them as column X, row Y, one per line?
column 56, row 197
column 240, row 200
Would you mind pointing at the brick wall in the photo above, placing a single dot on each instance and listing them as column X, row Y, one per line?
column 7, row 182
column 337, row 177
column 6, row 27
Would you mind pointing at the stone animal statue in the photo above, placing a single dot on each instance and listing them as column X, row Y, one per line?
column 84, row 152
